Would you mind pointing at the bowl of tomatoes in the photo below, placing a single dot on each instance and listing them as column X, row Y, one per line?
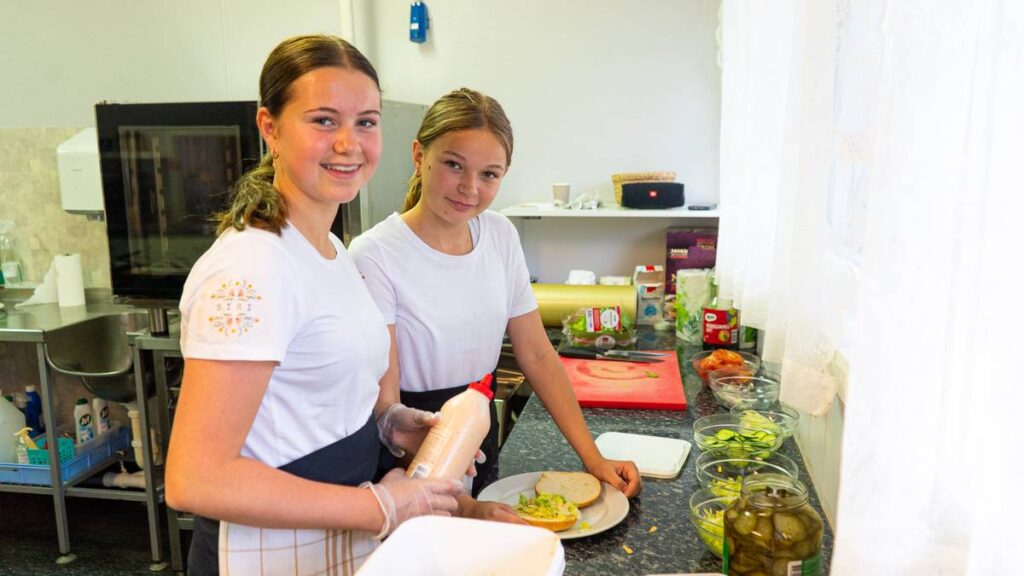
column 740, row 363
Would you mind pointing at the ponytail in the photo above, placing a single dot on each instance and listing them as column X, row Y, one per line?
column 413, row 195
column 255, row 202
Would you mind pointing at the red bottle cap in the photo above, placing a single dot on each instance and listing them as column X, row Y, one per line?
column 484, row 386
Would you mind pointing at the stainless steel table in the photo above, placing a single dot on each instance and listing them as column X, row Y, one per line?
column 30, row 325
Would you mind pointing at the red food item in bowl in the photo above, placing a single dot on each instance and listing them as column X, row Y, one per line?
column 717, row 360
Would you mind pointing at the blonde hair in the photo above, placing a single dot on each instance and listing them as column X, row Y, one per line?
column 254, row 200
column 462, row 109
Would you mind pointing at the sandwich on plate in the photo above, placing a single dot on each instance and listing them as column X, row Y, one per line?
column 560, row 496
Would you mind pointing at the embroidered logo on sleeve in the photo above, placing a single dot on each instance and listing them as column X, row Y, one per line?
column 234, row 311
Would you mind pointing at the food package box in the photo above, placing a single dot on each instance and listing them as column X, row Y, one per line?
column 694, row 289
column 650, row 274
column 445, row 545
column 649, row 312
column 686, row 249
column 650, row 291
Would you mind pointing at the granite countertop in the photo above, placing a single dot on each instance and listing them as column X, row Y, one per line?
column 535, row 443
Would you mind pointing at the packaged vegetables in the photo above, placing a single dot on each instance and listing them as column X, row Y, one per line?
column 694, row 289
column 603, row 328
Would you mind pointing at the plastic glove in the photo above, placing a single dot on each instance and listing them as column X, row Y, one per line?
column 401, row 498
column 402, row 428
column 479, row 458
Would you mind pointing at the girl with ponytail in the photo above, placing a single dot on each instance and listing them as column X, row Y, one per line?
column 450, row 278
column 276, row 438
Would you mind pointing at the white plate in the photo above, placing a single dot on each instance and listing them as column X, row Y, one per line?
column 611, row 507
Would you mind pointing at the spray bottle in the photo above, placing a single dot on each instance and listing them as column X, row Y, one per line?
column 24, row 444
column 9, row 267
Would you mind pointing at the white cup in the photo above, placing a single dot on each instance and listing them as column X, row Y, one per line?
column 560, row 193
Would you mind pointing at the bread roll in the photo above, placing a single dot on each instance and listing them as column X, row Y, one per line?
column 580, row 488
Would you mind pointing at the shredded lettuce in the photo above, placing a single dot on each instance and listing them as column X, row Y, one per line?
column 547, row 506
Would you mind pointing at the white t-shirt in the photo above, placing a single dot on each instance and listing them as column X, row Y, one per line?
column 258, row 296
column 450, row 312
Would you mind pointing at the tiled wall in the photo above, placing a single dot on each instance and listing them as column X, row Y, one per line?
column 30, row 196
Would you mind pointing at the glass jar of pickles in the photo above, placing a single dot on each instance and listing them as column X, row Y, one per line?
column 771, row 529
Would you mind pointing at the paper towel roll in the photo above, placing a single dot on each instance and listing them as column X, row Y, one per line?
column 70, row 290
column 45, row 292
column 556, row 301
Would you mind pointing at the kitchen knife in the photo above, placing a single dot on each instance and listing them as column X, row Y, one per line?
column 633, row 354
column 577, row 352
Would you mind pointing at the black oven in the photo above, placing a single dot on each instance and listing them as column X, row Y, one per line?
column 167, row 169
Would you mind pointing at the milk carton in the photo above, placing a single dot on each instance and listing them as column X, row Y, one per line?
column 650, row 293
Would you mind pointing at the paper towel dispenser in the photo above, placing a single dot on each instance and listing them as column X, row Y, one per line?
column 78, row 168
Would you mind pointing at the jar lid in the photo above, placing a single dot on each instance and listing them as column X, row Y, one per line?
column 771, row 490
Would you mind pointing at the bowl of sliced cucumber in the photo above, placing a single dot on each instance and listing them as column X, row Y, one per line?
column 727, row 435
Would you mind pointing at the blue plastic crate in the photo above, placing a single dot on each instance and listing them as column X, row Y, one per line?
column 41, row 455
column 90, row 456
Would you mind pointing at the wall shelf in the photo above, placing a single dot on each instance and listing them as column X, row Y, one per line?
column 548, row 210
column 610, row 240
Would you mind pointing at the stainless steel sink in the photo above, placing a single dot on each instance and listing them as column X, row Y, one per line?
column 99, row 352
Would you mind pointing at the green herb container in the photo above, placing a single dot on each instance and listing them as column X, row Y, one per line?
column 724, row 475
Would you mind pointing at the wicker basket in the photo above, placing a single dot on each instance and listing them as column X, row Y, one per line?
column 628, row 177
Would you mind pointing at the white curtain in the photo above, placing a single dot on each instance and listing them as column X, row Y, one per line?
column 779, row 257
column 913, row 205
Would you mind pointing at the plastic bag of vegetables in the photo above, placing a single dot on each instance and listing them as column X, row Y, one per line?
column 603, row 328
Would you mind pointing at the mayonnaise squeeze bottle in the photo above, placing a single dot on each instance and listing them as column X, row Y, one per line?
column 452, row 443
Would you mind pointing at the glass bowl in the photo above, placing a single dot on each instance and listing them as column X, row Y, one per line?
column 708, row 361
column 725, row 435
column 706, row 513
column 782, row 418
column 724, row 476
column 755, row 392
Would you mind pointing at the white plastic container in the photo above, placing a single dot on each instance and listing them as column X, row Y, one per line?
column 11, row 420
column 443, row 545
column 84, row 428
column 450, row 445
column 100, row 415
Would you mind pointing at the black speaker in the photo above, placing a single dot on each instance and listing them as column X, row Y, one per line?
column 652, row 195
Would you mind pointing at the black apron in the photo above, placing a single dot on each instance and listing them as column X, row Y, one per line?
column 433, row 400
column 349, row 462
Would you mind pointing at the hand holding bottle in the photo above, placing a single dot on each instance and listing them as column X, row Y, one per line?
column 403, row 428
column 401, row 498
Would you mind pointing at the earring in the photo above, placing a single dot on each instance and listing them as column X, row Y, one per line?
column 274, row 154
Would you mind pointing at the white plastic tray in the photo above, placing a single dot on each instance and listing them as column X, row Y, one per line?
column 655, row 456
column 465, row 547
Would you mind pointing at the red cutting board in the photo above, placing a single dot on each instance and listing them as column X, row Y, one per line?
column 611, row 384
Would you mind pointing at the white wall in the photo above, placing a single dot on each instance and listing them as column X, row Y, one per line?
column 58, row 58
column 592, row 87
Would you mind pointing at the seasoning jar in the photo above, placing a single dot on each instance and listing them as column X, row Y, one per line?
column 772, row 530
